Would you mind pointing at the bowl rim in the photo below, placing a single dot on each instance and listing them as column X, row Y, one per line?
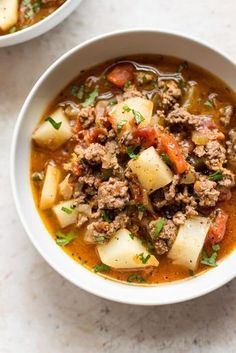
column 40, row 27
column 98, row 291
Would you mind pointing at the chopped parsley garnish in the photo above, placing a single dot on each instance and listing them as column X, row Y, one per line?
column 77, row 92
column 137, row 115
column 54, row 123
column 166, row 159
column 182, row 66
column 106, row 217
column 159, row 225
column 217, row 176
column 99, row 238
column 131, row 154
column 66, row 210
column 112, row 103
column 210, row 260
column 120, row 124
column 127, row 84
column 37, row 177
column 107, row 173
column 91, row 98
column 143, row 258
column 101, row 268
column 131, row 236
column 208, row 103
column 135, row 278
column 141, row 208
column 65, row 238
column 31, row 9
column 12, row 30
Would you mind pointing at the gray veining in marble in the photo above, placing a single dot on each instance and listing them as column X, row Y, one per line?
column 39, row 310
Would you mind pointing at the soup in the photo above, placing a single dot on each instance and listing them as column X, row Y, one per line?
column 132, row 169
column 16, row 15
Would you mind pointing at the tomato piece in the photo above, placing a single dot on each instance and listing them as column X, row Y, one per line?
column 147, row 134
column 218, row 227
column 92, row 134
column 121, row 74
column 170, row 146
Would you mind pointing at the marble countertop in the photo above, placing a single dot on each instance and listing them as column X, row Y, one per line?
column 39, row 310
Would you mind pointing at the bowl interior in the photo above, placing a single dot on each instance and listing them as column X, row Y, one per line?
column 56, row 78
column 40, row 27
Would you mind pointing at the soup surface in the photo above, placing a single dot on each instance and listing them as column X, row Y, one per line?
column 16, row 15
column 132, row 169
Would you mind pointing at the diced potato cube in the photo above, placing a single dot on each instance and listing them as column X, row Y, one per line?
column 8, row 14
column 140, row 105
column 125, row 251
column 66, row 213
column 189, row 242
column 50, row 137
column 151, row 171
column 50, row 186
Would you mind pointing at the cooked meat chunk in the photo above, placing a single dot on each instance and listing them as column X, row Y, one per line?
column 228, row 180
column 113, row 194
column 182, row 116
column 101, row 231
column 170, row 93
column 206, row 191
column 86, row 117
column 213, row 153
column 231, row 148
column 165, row 239
column 227, row 113
column 93, row 154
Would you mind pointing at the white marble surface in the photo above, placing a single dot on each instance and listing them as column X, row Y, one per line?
column 39, row 310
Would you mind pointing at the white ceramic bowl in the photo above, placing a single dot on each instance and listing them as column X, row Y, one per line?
column 41, row 27
column 48, row 86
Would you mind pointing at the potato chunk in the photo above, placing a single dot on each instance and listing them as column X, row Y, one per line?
column 50, row 186
column 66, row 213
column 8, row 14
column 151, row 171
column 46, row 135
column 137, row 104
column 125, row 251
column 189, row 242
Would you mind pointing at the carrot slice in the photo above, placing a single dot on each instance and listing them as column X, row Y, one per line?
column 121, row 74
column 170, row 146
column 218, row 227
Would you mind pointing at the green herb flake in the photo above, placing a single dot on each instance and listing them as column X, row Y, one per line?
column 135, row 278
column 12, row 30
column 131, row 236
column 120, row 124
column 208, row 103
column 106, row 217
column 65, row 238
column 217, row 176
column 36, row 177
column 130, row 152
column 210, row 260
column 127, row 84
column 143, row 258
column 91, row 98
column 54, row 123
column 107, row 173
column 77, row 92
column 182, row 66
column 137, row 115
column 159, row 226
column 166, row 159
column 66, row 210
column 99, row 238
column 141, row 208
column 101, row 268
column 111, row 103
